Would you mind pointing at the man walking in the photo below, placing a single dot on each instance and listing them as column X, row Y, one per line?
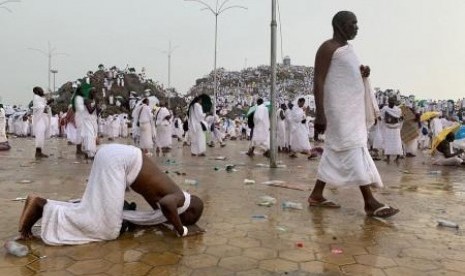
column 41, row 120
column 339, row 95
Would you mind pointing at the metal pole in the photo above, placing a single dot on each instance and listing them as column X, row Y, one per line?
column 169, row 66
column 273, row 119
column 169, row 75
column 54, row 83
column 215, row 80
column 217, row 11
column 49, row 68
column 49, row 54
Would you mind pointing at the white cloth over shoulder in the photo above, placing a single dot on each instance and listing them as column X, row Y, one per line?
column 261, row 131
column 163, row 127
column 299, row 131
column 99, row 215
column 281, row 129
column 392, row 142
column 196, row 133
column 154, row 217
column 147, row 129
column 344, row 99
column 40, row 120
column 2, row 126
column 79, row 116
column 345, row 159
column 371, row 105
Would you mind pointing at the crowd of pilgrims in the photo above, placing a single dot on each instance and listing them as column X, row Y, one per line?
column 152, row 126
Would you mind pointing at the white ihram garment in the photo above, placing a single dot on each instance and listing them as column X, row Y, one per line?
column 89, row 132
column 281, row 130
column 146, row 128
column 261, row 130
column 163, row 126
column 436, row 126
column 78, row 117
column 99, row 215
column 54, row 127
column 299, row 131
column 196, row 134
column 287, row 125
column 391, row 136
column 40, row 121
column 2, row 126
column 178, row 130
column 346, row 160
column 154, row 217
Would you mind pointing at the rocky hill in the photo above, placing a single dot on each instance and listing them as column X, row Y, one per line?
column 291, row 80
column 113, row 90
column 114, row 86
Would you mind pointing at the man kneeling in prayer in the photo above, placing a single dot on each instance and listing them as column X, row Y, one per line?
column 99, row 214
column 447, row 156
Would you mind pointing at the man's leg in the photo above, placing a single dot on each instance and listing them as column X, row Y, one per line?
column 32, row 212
column 79, row 149
column 372, row 205
column 317, row 192
column 316, row 198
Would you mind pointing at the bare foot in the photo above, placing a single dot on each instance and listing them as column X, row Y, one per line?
column 31, row 214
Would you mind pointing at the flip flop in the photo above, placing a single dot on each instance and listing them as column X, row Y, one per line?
column 324, row 204
column 392, row 212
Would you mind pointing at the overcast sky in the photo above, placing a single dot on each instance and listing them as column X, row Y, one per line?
column 416, row 46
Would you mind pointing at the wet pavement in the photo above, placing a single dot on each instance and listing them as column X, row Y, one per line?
column 242, row 237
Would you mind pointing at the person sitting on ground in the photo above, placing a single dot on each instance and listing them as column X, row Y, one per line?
column 99, row 214
column 447, row 156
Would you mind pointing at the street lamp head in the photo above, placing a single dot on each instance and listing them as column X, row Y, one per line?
column 53, row 71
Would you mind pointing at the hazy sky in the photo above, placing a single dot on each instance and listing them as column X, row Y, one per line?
column 416, row 46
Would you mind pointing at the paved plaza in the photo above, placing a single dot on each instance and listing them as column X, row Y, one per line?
column 242, row 237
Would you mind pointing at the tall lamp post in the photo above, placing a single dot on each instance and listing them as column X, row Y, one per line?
column 7, row 1
column 54, row 72
column 273, row 120
column 49, row 54
column 169, row 52
column 216, row 11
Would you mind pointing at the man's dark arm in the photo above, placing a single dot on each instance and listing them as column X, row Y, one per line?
column 169, row 208
column 322, row 63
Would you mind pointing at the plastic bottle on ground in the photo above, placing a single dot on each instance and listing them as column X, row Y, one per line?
column 446, row 223
column 292, row 205
column 249, row 181
column 191, row 182
column 267, row 201
column 16, row 248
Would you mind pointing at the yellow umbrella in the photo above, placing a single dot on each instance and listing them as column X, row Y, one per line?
column 428, row 115
column 442, row 135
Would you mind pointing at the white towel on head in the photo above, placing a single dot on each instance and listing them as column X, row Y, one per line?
column 153, row 217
